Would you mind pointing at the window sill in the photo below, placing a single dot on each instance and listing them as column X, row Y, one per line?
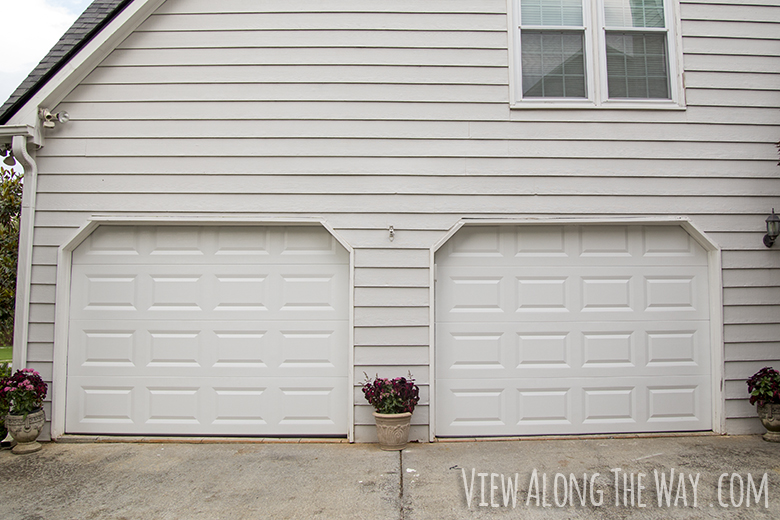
column 587, row 105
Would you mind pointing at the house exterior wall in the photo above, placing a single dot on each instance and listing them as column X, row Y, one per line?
column 371, row 114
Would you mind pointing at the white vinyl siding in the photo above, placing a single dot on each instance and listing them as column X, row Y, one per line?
column 398, row 114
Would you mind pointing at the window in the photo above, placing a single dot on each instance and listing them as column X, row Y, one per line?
column 594, row 53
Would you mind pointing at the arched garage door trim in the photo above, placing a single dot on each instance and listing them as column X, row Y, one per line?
column 64, row 281
column 714, row 279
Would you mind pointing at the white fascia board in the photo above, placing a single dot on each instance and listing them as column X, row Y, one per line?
column 85, row 61
column 7, row 132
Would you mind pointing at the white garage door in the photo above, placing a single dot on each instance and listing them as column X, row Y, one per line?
column 571, row 329
column 209, row 330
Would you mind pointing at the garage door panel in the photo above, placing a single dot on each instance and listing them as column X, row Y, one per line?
column 593, row 294
column 672, row 242
column 563, row 245
column 312, row 292
column 477, row 350
column 202, row 245
column 679, row 404
column 201, row 349
column 228, row 405
column 565, row 329
column 153, row 292
column 546, row 349
column 312, row 347
column 209, row 330
column 574, row 405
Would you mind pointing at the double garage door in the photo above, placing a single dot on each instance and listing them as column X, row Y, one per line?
column 204, row 330
column 572, row 329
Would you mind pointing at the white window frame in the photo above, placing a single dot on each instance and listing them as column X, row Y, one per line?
column 596, row 63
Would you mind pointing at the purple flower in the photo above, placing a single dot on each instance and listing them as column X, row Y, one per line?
column 391, row 395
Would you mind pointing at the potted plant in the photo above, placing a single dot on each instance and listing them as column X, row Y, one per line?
column 23, row 395
column 764, row 388
column 393, row 401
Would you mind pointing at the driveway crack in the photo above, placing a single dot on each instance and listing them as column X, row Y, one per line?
column 401, row 513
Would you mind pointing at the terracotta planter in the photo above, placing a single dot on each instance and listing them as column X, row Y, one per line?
column 770, row 418
column 25, row 430
column 392, row 429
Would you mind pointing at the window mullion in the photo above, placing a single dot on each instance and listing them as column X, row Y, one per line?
column 636, row 29
column 553, row 28
column 598, row 51
column 591, row 56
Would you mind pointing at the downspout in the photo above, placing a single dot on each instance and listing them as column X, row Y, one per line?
column 24, row 265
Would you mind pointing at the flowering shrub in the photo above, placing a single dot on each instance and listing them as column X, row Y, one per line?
column 764, row 387
column 397, row 395
column 23, row 392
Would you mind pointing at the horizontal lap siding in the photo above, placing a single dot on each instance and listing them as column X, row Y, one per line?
column 733, row 60
column 373, row 114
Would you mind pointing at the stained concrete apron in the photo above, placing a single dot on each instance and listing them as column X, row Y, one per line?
column 714, row 477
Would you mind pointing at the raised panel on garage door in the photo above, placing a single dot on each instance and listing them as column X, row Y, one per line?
column 208, row 330
column 571, row 329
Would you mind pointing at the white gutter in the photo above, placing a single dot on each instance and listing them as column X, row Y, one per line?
column 24, row 266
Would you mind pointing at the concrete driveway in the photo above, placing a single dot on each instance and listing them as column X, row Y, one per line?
column 645, row 477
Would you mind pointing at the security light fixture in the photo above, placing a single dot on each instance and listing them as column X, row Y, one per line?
column 772, row 229
column 49, row 118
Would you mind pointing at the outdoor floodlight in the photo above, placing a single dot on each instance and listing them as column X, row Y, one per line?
column 49, row 118
column 772, row 229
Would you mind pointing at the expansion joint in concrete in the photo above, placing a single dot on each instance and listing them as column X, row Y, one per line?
column 401, row 514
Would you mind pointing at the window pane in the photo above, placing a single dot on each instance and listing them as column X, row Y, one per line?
column 553, row 64
column 637, row 66
column 634, row 13
column 551, row 12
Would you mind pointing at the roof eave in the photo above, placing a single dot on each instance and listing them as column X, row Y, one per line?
column 55, row 84
column 48, row 74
